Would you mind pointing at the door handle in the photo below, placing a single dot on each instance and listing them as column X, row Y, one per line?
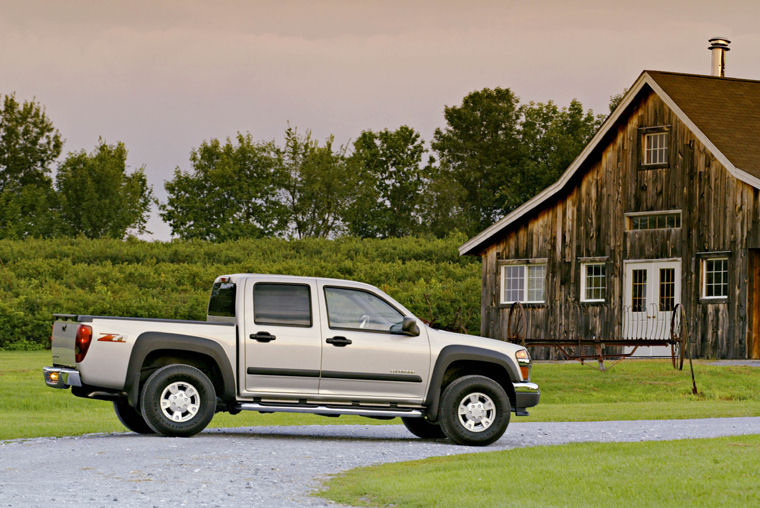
column 338, row 341
column 262, row 337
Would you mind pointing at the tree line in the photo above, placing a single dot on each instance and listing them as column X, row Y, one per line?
column 92, row 194
column 492, row 154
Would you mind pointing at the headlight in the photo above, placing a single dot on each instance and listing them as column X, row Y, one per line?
column 523, row 359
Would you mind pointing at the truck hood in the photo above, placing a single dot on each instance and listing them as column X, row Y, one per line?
column 441, row 339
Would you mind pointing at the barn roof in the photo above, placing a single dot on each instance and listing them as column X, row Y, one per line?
column 726, row 110
column 723, row 113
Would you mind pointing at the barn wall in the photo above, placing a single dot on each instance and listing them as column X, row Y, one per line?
column 588, row 220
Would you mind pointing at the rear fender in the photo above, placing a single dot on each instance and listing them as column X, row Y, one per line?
column 150, row 342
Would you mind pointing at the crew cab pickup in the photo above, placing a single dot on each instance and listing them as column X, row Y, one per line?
column 294, row 344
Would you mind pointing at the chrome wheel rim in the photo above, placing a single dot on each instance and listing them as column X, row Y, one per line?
column 476, row 412
column 180, row 401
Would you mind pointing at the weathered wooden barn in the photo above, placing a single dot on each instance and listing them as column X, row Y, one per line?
column 661, row 207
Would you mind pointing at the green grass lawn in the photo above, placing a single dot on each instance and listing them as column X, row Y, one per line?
column 570, row 392
column 699, row 472
column 643, row 389
column 28, row 408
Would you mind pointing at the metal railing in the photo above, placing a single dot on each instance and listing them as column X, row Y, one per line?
column 650, row 323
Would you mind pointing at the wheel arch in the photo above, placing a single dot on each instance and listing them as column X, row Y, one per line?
column 457, row 361
column 153, row 350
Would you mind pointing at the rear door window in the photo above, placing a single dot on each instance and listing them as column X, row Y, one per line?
column 282, row 304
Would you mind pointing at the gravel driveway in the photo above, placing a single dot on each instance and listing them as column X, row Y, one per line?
column 266, row 466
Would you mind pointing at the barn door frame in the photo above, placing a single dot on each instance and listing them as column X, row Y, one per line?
column 652, row 271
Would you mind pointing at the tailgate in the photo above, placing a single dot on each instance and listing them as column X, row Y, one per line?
column 63, row 339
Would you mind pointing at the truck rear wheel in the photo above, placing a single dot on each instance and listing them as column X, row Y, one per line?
column 424, row 429
column 131, row 417
column 178, row 400
column 474, row 411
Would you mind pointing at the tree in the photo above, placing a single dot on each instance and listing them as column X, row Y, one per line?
column 495, row 154
column 443, row 204
column 30, row 211
column 318, row 185
column 233, row 191
column 616, row 99
column 390, row 183
column 550, row 139
column 98, row 198
column 478, row 152
column 29, row 143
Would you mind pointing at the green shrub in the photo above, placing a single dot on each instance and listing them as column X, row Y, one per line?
column 172, row 279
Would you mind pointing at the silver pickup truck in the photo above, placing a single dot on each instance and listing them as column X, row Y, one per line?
column 294, row 344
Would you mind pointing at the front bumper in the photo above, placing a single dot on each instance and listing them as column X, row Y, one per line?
column 61, row 377
column 526, row 395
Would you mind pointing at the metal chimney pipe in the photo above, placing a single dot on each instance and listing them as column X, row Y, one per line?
column 719, row 46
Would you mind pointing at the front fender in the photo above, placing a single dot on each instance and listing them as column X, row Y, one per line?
column 454, row 353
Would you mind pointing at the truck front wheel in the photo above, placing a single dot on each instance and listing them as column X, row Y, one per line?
column 178, row 400
column 131, row 417
column 474, row 411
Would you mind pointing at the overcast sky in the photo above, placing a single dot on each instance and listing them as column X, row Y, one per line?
column 162, row 76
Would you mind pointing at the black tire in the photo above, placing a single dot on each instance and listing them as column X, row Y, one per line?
column 488, row 407
column 192, row 404
column 424, row 429
column 131, row 417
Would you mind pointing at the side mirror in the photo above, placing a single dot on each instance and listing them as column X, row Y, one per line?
column 409, row 327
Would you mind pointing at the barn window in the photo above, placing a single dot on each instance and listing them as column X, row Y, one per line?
column 715, row 278
column 638, row 221
column 656, row 149
column 593, row 282
column 523, row 283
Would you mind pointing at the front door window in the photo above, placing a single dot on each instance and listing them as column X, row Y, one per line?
column 354, row 309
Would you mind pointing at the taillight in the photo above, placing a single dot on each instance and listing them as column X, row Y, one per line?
column 52, row 331
column 82, row 344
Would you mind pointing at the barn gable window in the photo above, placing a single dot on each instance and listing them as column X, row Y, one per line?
column 715, row 278
column 593, row 282
column 656, row 148
column 523, row 283
column 655, row 142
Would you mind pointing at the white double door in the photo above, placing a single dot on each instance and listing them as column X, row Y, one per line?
column 652, row 290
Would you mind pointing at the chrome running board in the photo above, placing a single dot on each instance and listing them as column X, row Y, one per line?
column 326, row 410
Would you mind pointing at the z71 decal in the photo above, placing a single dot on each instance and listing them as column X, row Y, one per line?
column 110, row 337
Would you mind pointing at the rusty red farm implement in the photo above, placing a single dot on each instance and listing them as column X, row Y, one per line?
column 645, row 326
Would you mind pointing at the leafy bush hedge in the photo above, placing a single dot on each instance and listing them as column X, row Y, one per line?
column 173, row 279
